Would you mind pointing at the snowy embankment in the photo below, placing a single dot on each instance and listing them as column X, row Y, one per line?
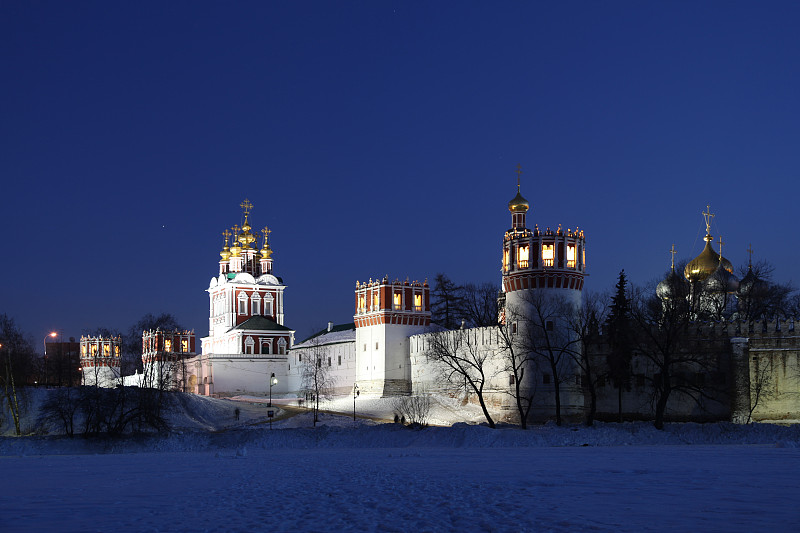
column 206, row 424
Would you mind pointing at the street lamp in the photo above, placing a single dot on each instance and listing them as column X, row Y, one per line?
column 44, row 343
column 272, row 381
column 356, row 392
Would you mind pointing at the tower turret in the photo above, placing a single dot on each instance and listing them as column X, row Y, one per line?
column 541, row 260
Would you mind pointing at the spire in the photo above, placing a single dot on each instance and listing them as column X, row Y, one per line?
column 708, row 216
column 672, row 253
column 266, row 251
column 519, row 173
column 750, row 256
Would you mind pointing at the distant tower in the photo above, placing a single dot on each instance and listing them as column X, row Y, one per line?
column 100, row 361
column 386, row 315
column 546, row 262
column 164, row 354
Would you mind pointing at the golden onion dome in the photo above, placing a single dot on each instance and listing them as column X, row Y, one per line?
column 225, row 254
column 236, row 250
column 518, row 204
column 704, row 264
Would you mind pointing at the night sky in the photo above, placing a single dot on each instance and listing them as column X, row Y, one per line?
column 380, row 138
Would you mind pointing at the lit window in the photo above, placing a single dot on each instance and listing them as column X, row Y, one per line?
column 398, row 301
column 505, row 259
column 548, row 254
column 116, row 351
column 522, row 257
column 362, row 302
column 106, row 350
column 83, row 349
column 418, row 302
column 185, row 345
column 571, row 255
column 375, row 300
column 168, row 345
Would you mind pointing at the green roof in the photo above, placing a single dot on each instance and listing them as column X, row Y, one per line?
column 261, row 323
column 334, row 329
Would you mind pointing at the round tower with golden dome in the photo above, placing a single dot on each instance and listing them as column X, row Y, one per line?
column 548, row 261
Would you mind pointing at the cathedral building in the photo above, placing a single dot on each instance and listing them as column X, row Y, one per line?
column 247, row 341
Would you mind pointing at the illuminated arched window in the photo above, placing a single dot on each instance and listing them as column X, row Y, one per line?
column 106, row 350
column 505, row 259
column 571, row 255
column 418, row 302
column 398, row 301
column 168, row 345
column 375, row 300
column 522, row 257
column 548, row 254
column 185, row 345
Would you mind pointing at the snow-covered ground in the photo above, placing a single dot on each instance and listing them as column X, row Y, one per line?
column 220, row 474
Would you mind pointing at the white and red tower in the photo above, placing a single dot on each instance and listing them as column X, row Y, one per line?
column 386, row 314
column 547, row 262
column 164, row 355
column 100, row 360
column 247, row 338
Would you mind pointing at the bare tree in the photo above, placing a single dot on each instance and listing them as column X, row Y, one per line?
column 762, row 385
column 519, row 364
column 463, row 363
column 17, row 364
column 317, row 380
column 584, row 322
column 679, row 357
column 545, row 333
column 479, row 304
column 413, row 410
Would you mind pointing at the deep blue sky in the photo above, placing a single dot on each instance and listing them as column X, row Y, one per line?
column 380, row 138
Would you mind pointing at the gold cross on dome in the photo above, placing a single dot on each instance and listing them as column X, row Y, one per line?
column 720, row 245
column 235, row 229
column 226, row 234
column 519, row 173
column 266, row 231
column 708, row 216
column 672, row 252
column 750, row 253
column 246, row 206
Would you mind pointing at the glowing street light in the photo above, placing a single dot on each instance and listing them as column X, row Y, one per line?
column 272, row 381
column 52, row 334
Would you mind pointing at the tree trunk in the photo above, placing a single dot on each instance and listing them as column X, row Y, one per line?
column 661, row 406
column 592, row 405
column 557, row 390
